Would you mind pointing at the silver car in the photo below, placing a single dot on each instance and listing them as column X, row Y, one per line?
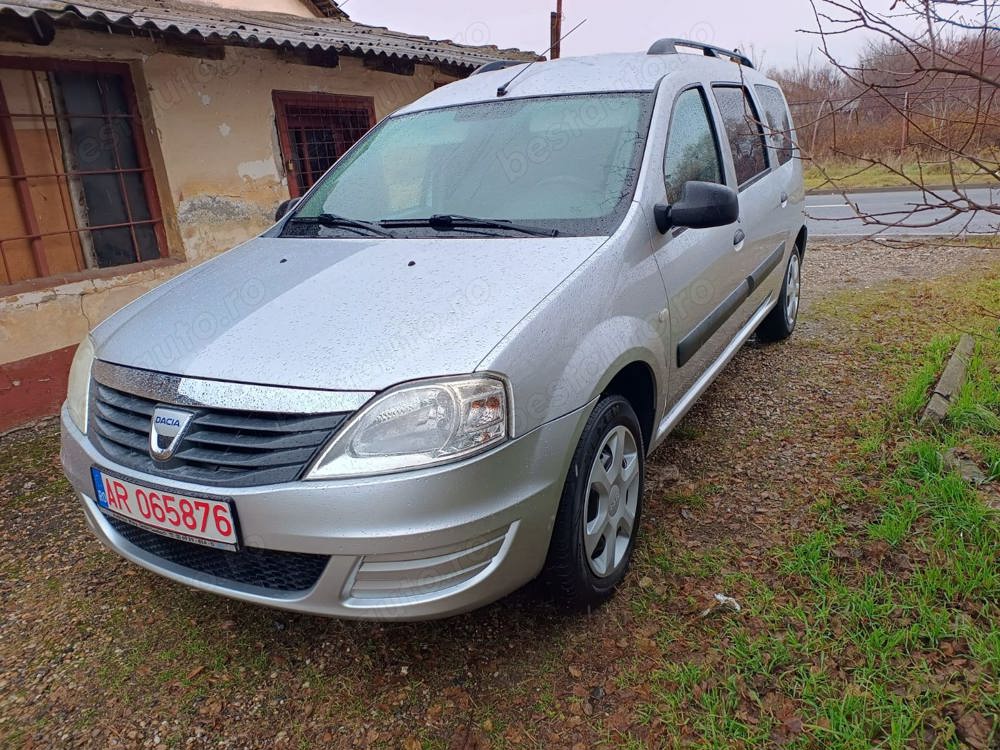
column 439, row 374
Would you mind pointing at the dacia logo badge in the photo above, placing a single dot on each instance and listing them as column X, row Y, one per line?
column 166, row 430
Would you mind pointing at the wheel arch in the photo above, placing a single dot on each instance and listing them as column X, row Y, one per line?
column 800, row 241
column 636, row 383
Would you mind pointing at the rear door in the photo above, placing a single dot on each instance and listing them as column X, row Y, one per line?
column 787, row 169
column 696, row 264
column 761, row 200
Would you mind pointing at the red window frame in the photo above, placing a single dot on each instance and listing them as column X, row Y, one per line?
column 333, row 104
column 8, row 140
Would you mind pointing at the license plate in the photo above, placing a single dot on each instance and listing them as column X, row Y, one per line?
column 209, row 522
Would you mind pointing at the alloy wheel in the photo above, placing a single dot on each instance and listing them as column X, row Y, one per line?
column 792, row 284
column 612, row 500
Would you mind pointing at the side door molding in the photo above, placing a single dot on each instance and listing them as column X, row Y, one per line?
column 701, row 333
column 764, row 270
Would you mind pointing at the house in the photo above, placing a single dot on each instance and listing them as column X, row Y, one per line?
column 140, row 138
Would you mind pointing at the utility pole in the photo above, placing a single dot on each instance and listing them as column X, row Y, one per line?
column 555, row 31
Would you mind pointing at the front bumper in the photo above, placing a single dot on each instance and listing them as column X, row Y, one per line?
column 409, row 546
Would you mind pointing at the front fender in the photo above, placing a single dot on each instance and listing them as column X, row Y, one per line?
column 609, row 312
column 587, row 370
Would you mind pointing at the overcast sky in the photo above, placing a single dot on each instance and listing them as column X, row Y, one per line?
column 611, row 25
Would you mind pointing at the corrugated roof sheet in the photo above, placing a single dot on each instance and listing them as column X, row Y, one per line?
column 273, row 30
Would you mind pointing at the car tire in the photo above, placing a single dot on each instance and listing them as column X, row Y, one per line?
column 780, row 322
column 599, row 513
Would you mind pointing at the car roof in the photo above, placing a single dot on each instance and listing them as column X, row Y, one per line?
column 636, row 71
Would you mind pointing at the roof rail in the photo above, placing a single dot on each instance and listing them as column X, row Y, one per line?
column 497, row 65
column 669, row 46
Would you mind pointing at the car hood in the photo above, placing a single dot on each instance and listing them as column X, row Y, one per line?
column 340, row 314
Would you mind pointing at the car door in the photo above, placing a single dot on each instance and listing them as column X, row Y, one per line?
column 786, row 189
column 696, row 264
column 761, row 250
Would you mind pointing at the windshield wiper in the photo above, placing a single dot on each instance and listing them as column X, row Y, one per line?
column 333, row 220
column 455, row 221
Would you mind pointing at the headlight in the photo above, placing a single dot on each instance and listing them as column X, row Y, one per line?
column 78, row 393
column 418, row 424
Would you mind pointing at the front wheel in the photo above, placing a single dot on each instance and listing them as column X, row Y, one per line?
column 780, row 322
column 598, row 517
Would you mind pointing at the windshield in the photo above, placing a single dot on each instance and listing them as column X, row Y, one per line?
column 566, row 163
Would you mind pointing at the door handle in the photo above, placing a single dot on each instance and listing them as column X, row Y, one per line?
column 784, row 199
column 738, row 239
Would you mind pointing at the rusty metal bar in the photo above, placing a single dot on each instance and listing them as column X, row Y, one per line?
column 303, row 154
column 148, row 178
column 9, row 138
column 69, row 215
column 118, row 167
column 78, row 230
column 6, row 268
column 81, row 173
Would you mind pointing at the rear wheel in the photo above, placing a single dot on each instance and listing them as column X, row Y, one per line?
column 780, row 322
column 598, row 517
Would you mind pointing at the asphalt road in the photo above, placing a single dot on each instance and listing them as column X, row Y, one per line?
column 831, row 216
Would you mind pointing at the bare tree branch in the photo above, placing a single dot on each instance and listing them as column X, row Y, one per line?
column 922, row 99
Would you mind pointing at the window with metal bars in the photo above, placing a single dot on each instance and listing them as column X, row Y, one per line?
column 314, row 130
column 76, row 185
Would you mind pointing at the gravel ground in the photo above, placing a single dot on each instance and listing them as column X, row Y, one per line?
column 95, row 652
column 839, row 265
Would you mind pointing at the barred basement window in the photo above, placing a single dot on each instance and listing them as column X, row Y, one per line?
column 76, row 186
column 314, row 130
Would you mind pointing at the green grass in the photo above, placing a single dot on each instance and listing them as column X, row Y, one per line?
column 978, row 404
column 914, row 397
column 852, row 175
column 886, row 647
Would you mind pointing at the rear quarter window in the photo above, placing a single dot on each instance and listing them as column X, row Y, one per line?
column 743, row 131
column 778, row 121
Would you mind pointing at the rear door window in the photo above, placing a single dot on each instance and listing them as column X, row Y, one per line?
column 779, row 123
column 692, row 148
column 743, row 131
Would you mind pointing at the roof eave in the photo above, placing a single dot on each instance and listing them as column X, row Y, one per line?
column 262, row 30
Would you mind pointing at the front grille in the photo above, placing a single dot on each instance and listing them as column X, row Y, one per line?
column 267, row 569
column 221, row 448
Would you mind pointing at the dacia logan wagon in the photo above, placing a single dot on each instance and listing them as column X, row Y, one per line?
column 438, row 376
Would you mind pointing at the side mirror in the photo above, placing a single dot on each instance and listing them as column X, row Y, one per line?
column 702, row 205
column 284, row 207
